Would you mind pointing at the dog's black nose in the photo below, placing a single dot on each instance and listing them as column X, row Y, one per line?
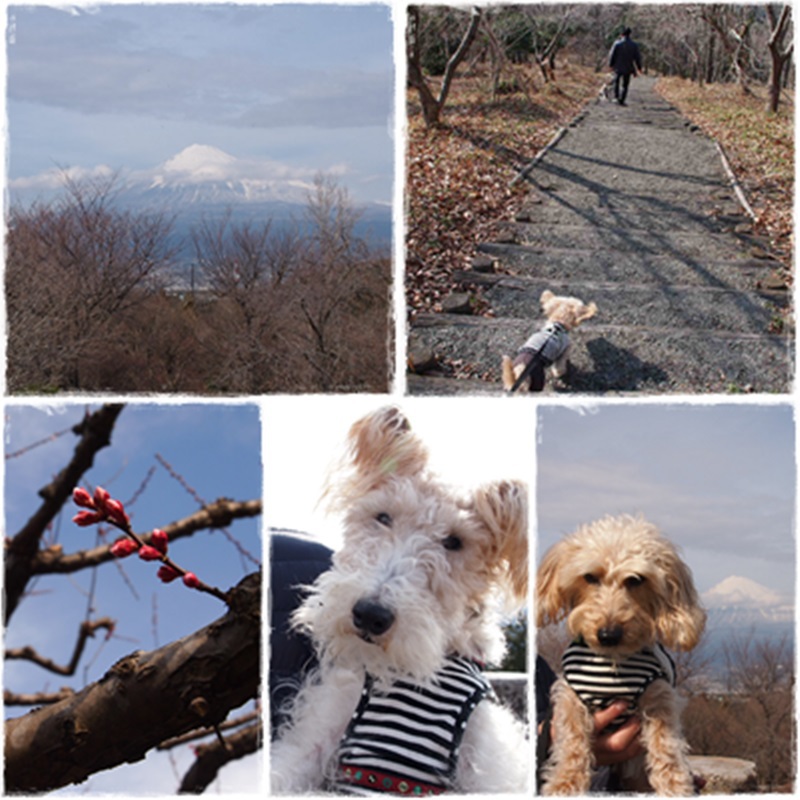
column 610, row 637
column 372, row 618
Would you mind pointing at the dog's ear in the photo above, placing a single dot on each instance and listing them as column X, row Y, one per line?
column 680, row 619
column 552, row 603
column 382, row 445
column 502, row 506
column 545, row 299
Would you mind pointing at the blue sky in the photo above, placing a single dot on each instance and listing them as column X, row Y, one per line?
column 216, row 449
column 310, row 87
column 719, row 480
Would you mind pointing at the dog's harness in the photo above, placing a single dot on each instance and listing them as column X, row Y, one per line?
column 600, row 680
column 543, row 347
column 405, row 740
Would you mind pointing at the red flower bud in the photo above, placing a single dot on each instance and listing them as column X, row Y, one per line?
column 123, row 547
column 159, row 540
column 148, row 553
column 116, row 512
column 167, row 573
column 101, row 496
column 191, row 580
column 86, row 518
column 82, row 498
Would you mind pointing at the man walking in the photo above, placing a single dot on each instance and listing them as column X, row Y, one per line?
column 625, row 60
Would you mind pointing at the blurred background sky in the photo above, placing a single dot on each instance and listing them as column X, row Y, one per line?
column 301, row 88
column 469, row 442
column 718, row 479
column 215, row 449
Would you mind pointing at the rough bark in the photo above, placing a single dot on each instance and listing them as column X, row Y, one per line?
column 142, row 700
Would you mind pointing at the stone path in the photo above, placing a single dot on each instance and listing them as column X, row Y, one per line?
column 631, row 208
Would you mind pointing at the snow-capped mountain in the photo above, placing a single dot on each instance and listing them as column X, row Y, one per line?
column 204, row 174
column 202, row 182
column 741, row 601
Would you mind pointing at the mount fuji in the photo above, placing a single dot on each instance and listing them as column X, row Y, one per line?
column 204, row 182
column 740, row 608
column 201, row 174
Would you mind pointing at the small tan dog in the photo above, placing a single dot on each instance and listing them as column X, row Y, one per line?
column 625, row 594
column 548, row 347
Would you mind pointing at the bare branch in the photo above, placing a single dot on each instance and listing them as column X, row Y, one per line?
column 142, row 700
column 213, row 756
column 218, row 514
column 201, row 733
column 36, row 698
column 86, row 630
column 95, row 434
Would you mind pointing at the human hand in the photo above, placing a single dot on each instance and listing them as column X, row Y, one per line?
column 619, row 745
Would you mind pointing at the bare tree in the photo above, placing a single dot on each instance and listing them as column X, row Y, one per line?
column 146, row 698
column 432, row 105
column 72, row 268
column 781, row 46
column 761, row 669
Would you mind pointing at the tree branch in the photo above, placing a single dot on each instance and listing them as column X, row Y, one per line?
column 36, row 698
column 142, row 700
column 95, row 434
column 85, row 631
column 213, row 756
column 201, row 733
column 218, row 514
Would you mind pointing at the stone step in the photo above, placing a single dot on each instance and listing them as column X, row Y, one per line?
column 613, row 149
column 662, row 307
column 701, row 214
column 633, row 242
column 612, row 358
column 568, row 266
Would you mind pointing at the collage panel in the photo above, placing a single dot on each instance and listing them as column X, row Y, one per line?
column 202, row 195
column 399, row 645
column 666, row 557
column 132, row 599
column 588, row 207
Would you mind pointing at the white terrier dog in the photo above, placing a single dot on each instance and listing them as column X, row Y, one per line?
column 401, row 624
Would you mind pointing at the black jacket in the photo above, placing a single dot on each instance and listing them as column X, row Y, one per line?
column 624, row 57
column 295, row 561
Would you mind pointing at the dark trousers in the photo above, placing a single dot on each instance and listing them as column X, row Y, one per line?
column 621, row 83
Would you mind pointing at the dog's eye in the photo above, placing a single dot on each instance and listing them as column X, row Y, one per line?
column 452, row 542
column 384, row 519
column 633, row 581
column 589, row 578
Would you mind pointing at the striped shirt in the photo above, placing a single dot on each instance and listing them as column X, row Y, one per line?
column 600, row 680
column 405, row 740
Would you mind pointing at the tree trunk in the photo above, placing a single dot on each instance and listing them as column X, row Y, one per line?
column 432, row 106
column 142, row 700
column 21, row 550
column 779, row 55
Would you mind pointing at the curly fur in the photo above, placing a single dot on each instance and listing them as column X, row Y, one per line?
column 621, row 574
column 445, row 564
column 570, row 312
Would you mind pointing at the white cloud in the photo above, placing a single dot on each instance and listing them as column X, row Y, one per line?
column 58, row 177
